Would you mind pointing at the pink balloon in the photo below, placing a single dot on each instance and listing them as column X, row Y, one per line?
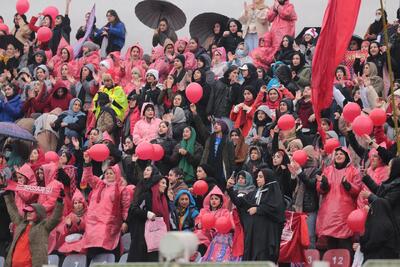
column 200, row 188
column 4, row 28
column 144, row 151
column 22, row 6
column 98, row 152
column 194, row 92
column 52, row 11
column 51, row 156
column 207, row 221
column 223, row 225
column 44, row 34
column 286, row 122
column 356, row 220
column 158, row 153
column 300, row 156
column 351, row 111
column 362, row 125
column 331, row 144
column 378, row 116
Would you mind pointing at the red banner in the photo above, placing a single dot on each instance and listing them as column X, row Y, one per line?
column 13, row 186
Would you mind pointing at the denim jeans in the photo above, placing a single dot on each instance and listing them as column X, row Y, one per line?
column 311, row 222
column 251, row 41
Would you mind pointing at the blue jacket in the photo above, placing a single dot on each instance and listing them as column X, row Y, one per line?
column 12, row 110
column 191, row 213
column 116, row 34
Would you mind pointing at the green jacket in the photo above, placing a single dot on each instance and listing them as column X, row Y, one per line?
column 39, row 233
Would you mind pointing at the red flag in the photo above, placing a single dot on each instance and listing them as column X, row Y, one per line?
column 337, row 29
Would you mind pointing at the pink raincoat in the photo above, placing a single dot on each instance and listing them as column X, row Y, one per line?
column 283, row 22
column 24, row 198
column 77, row 227
column 104, row 217
column 129, row 63
column 264, row 56
column 337, row 203
column 205, row 236
column 160, row 63
column 190, row 60
column 144, row 130
column 57, row 61
column 379, row 175
column 92, row 57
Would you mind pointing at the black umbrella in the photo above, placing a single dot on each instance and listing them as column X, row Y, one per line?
column 15, row 131
column 299, row 37
column 5, row 40
column 149, row 12
column 202, row 25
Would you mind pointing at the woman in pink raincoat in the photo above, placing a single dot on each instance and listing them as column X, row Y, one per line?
column 74, row 223
column 133, row 60
column 107, row 210
column 215, row 203
column 90, row 55
column 181, row 47
column 264, row 54
column 283, row 18
column 339, row 186
column 160, row 62
column 26, row 176
column 146, row 128
column 64, row 55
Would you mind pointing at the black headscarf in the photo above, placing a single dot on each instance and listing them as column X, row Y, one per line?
column 346, row 162
column 377, row 26
column 302, row 62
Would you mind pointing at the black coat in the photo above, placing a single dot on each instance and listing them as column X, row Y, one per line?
column 218, row 103
column 262, row 231
column 137, row 218
column 230, row 42
column 382, row 229
column 166, row 163
column 5, row 235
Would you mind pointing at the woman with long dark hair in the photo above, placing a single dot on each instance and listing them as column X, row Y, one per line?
column 114, row 31
column 376, row 27
column 163, row 32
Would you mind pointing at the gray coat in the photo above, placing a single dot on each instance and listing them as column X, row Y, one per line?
column 39, row 233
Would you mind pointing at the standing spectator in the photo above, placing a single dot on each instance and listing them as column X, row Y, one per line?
column 283, row 18
column 147, row 127
column 21, row 29
column 262, row 214
column 339, row 185
column 62, row 29
column 376, row 27
column 29, row 246
column 163, row 32
column 82, row 29
column 231, row 38
column 255, row 23
column 114, row 32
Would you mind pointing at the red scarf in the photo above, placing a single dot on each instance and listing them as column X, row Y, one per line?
column 159, row 204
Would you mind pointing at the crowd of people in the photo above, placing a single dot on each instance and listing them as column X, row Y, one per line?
column 252, row 70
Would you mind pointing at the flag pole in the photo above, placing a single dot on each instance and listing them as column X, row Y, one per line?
column 390, row 70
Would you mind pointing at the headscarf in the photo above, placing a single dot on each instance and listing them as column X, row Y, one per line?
column 189, row 146
column 159, row 204
column 248, row 186
column 72, row 117
column 40, row 161
column 192, row 206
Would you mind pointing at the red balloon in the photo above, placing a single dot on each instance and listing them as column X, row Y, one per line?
column 223, row 225
column 378, row 116
column 200, row 188
column 194, row 92
column 44, row 34
column 52, row 11
column 286, row 122
column 98, row 152
column 362, row 125
column 4, row 28
column 356, row 220
column 207, row 221
column 351, row 111
column 22, row 6
column 51, row 156
column 331, row 144
column 158, row 153
column 144, row 151
column 300, row 156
